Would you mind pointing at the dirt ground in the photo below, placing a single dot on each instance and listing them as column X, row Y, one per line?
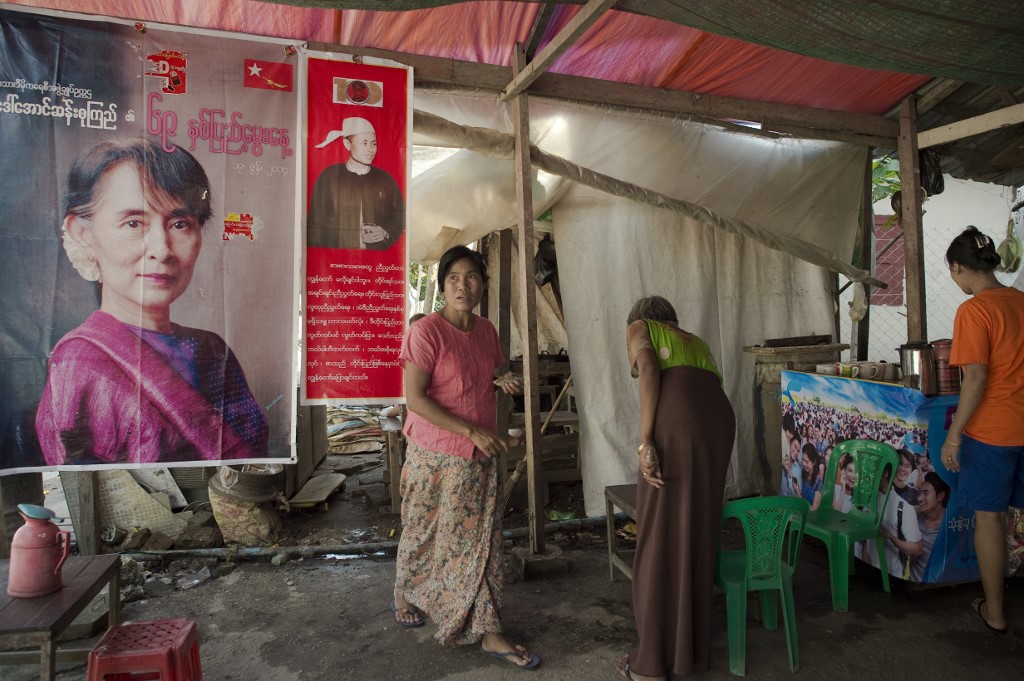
column 326, row 618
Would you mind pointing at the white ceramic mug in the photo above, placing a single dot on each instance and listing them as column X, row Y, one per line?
column 870, row 370
column 849, row 370
column 888, row 371
column 826, row 369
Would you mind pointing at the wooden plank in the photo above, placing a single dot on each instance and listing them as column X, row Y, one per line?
column 569, row 34
column 930, row 95
column 71, row 654
column 317, row 489
column 623, row 496
column 429, row 71
column 849, row 138
column 394, row 442
column 911, row 223
column 504, row 324
column 867, row 260
column 994, row 120
column 558, row 418
column 87, row 532
column 712, row 106
column 540, row 24
column 527, row 304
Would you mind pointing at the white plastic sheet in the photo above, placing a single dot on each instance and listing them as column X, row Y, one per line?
column 730, row 290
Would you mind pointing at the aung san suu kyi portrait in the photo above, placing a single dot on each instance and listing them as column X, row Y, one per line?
column 129, row 385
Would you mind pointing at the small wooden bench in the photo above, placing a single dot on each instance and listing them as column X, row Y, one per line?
column 40, row 621
column 623, row 496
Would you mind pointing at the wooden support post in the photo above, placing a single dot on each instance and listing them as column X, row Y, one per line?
column 910, row 222
column 867, row 262
column 502, row 318
column 527, row 308
column 87, row 532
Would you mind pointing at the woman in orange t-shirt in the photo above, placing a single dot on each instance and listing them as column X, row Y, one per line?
column 986, row 439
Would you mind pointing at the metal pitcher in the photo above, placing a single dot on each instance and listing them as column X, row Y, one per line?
column 918, row 359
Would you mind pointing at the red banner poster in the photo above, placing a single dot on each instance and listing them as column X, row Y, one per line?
column 357, row 168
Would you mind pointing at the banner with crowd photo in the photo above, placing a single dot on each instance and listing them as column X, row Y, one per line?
column 148, row 252
column 358, row 137
column 929, row 536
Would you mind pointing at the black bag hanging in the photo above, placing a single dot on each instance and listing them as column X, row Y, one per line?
column 931, row 171
column 545, row 263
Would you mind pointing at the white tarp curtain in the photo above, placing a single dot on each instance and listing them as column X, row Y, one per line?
column 729, row 290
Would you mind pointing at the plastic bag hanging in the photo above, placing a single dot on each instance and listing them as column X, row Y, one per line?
column 1009, row 250
column 859, row 304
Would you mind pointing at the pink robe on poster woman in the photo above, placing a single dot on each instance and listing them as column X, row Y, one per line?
column 110, row 397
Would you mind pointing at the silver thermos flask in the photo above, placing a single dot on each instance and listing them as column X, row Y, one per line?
column 918, row 359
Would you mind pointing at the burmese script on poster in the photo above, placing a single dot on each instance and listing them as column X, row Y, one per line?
column 357, row 177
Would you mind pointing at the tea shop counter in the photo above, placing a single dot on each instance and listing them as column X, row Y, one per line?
column 828, row 409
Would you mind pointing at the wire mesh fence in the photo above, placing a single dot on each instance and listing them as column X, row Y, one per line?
column 888, row 307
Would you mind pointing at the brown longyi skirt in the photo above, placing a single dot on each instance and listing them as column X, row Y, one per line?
column 677, row 525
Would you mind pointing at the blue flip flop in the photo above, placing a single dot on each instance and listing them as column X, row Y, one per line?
column 531, row 665
column 415, row 612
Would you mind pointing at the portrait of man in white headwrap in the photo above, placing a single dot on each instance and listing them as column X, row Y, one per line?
column 354, row 204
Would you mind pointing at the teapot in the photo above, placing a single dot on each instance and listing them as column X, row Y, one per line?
column 38, row 550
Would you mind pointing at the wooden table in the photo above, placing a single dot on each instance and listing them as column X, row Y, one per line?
column 623, row 496
column 40, row 621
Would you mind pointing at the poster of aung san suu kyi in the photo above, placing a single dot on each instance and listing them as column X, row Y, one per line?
column 148, row 251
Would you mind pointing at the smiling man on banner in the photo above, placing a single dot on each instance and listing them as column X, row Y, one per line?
column 354, row 204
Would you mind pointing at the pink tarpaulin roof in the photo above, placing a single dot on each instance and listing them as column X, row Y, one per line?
column 857, row 58
column 620, row 46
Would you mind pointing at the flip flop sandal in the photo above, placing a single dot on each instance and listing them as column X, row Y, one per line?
column 531, row 665
column 414, row 611
column 976, row 607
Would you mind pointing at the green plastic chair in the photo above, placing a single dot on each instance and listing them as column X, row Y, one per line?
column 840, row 530
column 766, row 562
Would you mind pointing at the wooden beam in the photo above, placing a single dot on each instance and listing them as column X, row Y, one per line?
column 910, row 222
column 1006, row 96
column 995, row 120
column 712, row 106
column 503, row 317
column 433, row 71
column 569, row 34
column 540, row 24
column 527, row 311
column 862, row 329
column 932, row 94
column 87, row 532
column 849, row 138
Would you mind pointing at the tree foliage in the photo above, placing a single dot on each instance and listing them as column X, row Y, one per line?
column 885, row 178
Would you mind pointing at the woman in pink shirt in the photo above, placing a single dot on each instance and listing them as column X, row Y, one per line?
column 449, row 563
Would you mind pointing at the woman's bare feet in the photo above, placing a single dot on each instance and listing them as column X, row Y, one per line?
column 406, row 614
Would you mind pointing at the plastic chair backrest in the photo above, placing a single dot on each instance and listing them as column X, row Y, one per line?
column 766, row 522
column 871, row 460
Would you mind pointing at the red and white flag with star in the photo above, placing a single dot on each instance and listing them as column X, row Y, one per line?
column 268, row 75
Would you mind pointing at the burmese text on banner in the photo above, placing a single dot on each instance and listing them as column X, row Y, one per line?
column 148, row 259
column 357, row 169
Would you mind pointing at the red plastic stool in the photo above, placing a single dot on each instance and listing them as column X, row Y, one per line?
column 158, row 649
